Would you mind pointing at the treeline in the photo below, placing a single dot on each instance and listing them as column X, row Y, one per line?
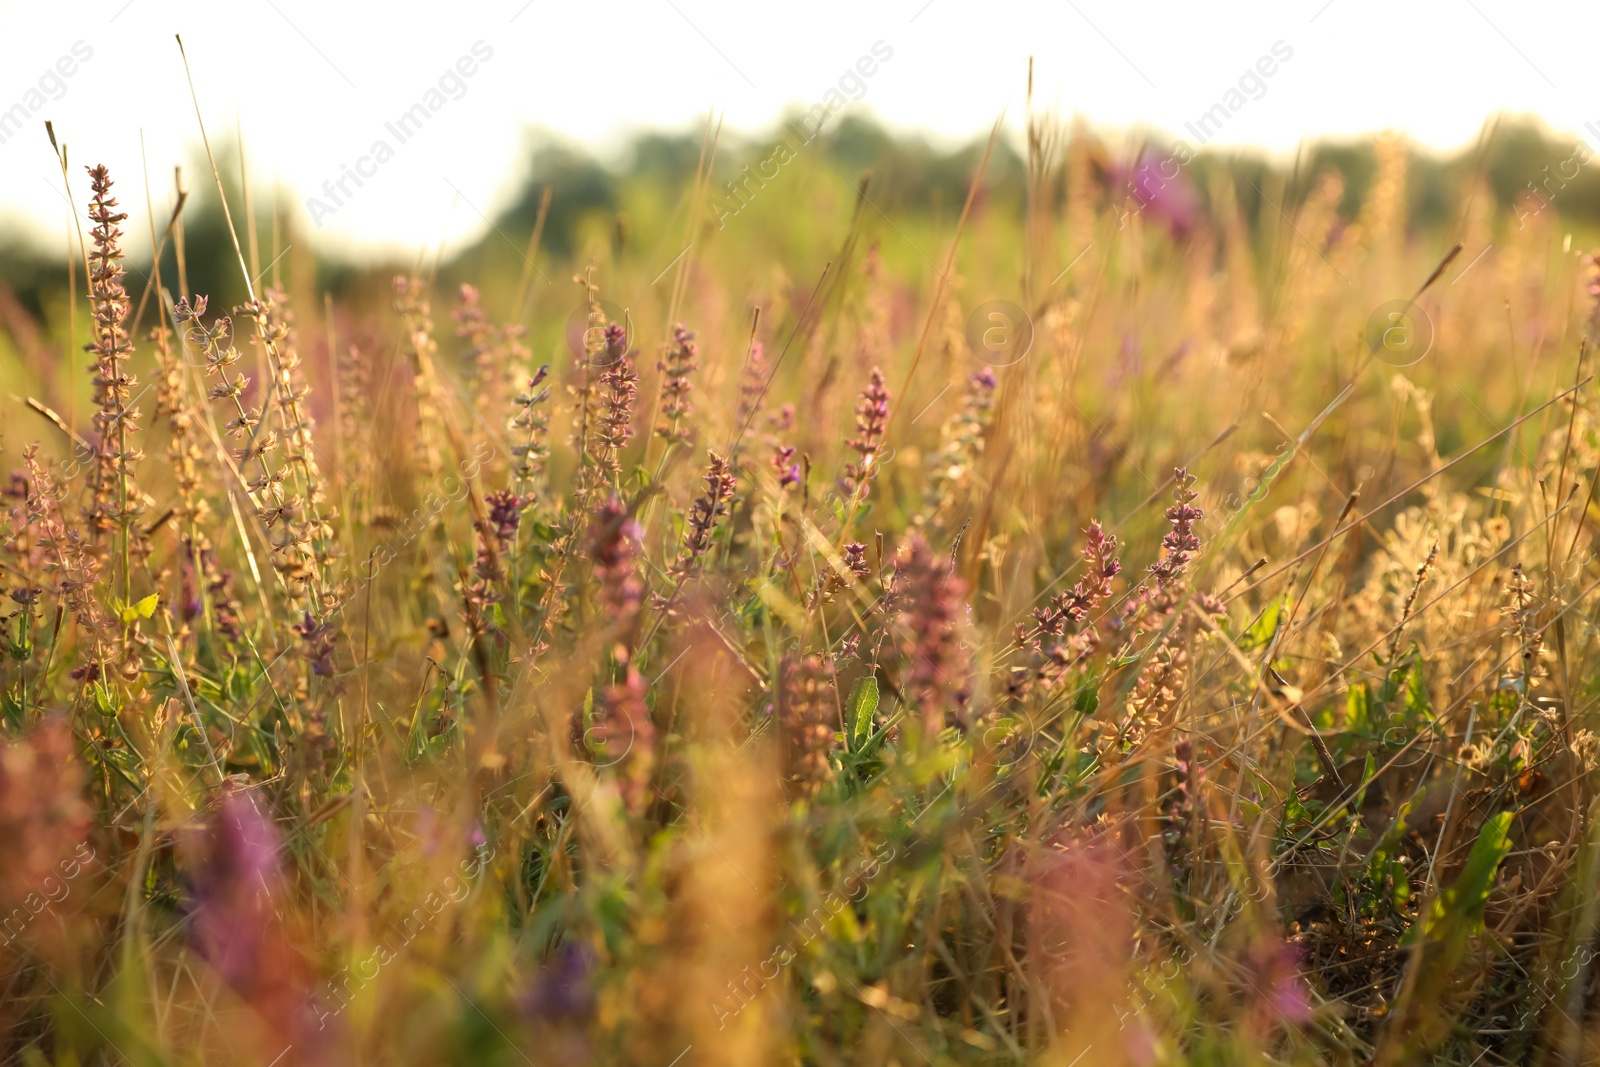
column 1521, row 164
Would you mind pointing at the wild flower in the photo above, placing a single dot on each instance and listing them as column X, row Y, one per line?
column 1075, row 605
column 709, row 509
column 1161, row 681
column 115, row 501
column 1063, row 636
column 614, row 547
column 807, row 710
column 411, row 303
column 531, row 425
column 301, row 535
column 752, row 387
column 233, row 890
column 495, row 536
column 1591, row 289
column 1522, row 611
column 961, row 444
column 215, row 599
column 72, row 570
column 496, row 354
column 782, row 420
column 473, row 327
column 1276, row 992
column 184, row 451
column 832, row 582
column 677, row 367
column 933, row 650
column 278, row 509
column 626, row 736
column 318, row 647
column 1179, row 543
column 505, row 515
column 783, row 462
column 872, row 421
column 561, row 990
column 619, row 390
column 236, row 888
column 43, row 813
column 353, row 373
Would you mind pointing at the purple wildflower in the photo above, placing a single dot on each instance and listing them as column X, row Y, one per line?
column 1180, row 543
column 935, row 658
column 614, row 546
column 676, row 367
column 1170, row 199
column 616, row 338
column 807, row 710
column 233, row 891
column 708, row 511
column 237, row 894
column 1073, row 606
column 620, row 389
column 562, row 990
column 872, row 421
column 505, row 515
column 319, row 644
column 42, row 810
column 784, row 463
column 1274, row 977
column 626, row 736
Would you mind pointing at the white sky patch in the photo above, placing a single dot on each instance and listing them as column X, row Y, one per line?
column 309, row 82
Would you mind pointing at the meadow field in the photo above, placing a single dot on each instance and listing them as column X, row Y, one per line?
column 1106, row 605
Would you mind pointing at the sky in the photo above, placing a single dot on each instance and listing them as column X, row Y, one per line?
column 316, row 85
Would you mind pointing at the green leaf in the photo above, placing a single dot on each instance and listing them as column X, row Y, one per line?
column 1418, row 707
column 1470, row 891
column 1262, row 630
column 1358, row 709
column 863, row 705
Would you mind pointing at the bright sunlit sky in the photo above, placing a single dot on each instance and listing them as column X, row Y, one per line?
column 314, row 81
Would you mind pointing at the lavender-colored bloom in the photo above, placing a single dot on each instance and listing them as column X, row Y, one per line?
column 710, row 507
column 1073, row 606
column 614, row 546
column 872, row 422
column 806, row 704
column 319, row 645
column 619, row 392
column 562, row 990
column 752, row 386
column 626, row 737
column 1180, row 543
column 1156, row 186
column 783, row 462
column 233, row 891
column 935, row 657
column 505, row 515
column 42, row 811
column 237, row 894
column 616, row 343
column 1274, row 968
column 676, row 367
